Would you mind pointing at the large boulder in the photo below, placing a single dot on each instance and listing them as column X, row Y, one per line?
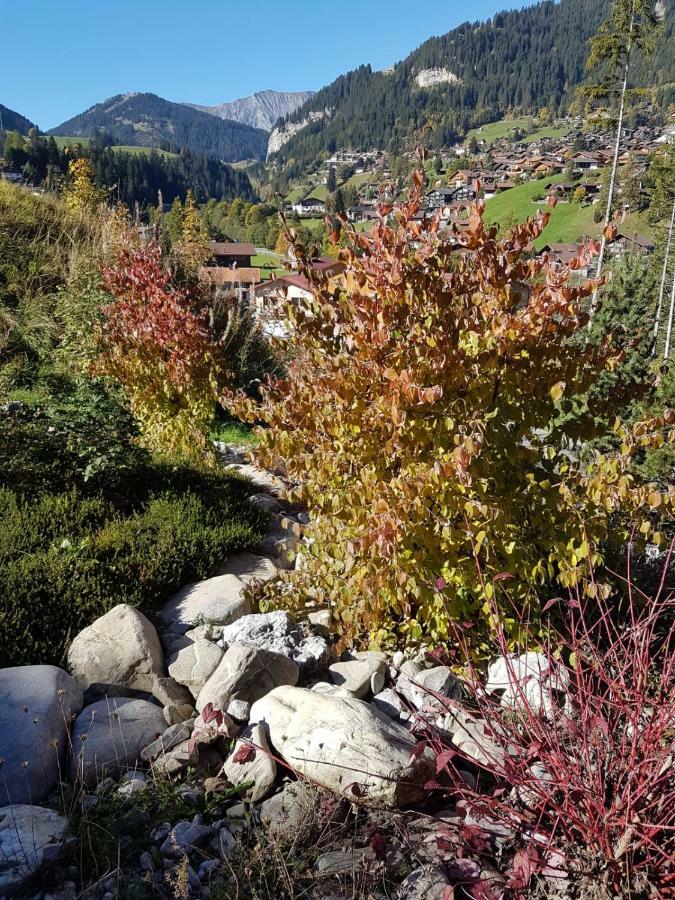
column 37, row 707
column 31, row 837
column 194, row 664
column 345, row 745
column 216, row 600
column 250, row 567
column 246, row 673
column 276, row 631
column 121, row 649
column 109, row 736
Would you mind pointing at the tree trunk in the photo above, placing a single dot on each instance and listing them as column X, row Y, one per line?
column 669, row 332
column 615, row 165
column 664, row 278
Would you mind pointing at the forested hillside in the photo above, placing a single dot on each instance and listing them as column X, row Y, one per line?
column 145, row 120
column 525, row 60
column 131, row 177
column 14, row 121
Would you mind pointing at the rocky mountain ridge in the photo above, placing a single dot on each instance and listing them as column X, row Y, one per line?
column 261, row 110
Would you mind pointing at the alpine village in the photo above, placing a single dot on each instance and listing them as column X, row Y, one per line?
column 337, row 479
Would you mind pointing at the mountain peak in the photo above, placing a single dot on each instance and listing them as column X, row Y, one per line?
column 261, row 110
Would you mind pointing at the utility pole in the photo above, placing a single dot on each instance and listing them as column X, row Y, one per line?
column 664, row 276
column 669, row 332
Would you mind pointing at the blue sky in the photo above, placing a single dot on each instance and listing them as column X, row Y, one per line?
column 58, row 57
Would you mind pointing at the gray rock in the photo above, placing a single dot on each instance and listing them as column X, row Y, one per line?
column 426, row 883
column 31, row 837
column 239, row 710
column 324, row 687
column 194, row 664
column 342, row 862
column 421, row 687
column 261, row 769
column 109, row 735
column 278, row 633
column 340, row 742
column 246, row 673
column 223, row 843
column 176, row 760
column 216, row 601
column 174, row 735
column 470, row 736
column 391, row 704
column 207, row 632
column 120, row 649
column 146, row 862
column 355, row 675
column 265, row 502
column 208, row 868
column 184, row 837
column 37, row 706
column 263, row 482
column 530, row 681
column 321, row 618
column 250, row 567
column 290, row 809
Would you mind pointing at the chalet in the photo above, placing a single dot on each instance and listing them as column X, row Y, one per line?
column 310, row 206
column 271, row 296
column 362, row 212
column 586, row 161
column 630, row 243
column 563, row 254
column 230, row 255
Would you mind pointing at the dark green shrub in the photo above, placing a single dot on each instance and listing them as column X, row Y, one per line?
column 67, row 558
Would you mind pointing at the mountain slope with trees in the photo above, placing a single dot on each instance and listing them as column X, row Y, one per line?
column 521, row 60
column 14, row 121
column 146, row 120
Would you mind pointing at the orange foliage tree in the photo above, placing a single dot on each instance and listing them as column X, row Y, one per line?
column 423, row 420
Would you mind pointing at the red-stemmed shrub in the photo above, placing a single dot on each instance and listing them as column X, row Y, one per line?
column 578, row 751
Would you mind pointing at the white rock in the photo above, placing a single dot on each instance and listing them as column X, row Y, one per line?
column 261, row 769
column 336, row 742
column 277, row 632
column 263, row 481
column 355, row 675
column 216, row 601
column 432, row 77
column 37, row 707
column 109, row 735
column 246, row 673
column 195, row 664
column 324, row 687
column 121, row 648
column 239, row 710
column 420, row 686
column 529, row 681
column 391, row 704
column 30, row 837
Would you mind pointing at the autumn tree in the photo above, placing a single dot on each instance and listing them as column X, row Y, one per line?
column 192, row 247
column 422, row 419
column 82, row 195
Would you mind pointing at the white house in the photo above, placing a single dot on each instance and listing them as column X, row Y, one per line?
column 310, row 207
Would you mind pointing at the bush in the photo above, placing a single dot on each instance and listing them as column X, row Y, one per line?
column 67, row 558
column 578, row 760
column 423, row 417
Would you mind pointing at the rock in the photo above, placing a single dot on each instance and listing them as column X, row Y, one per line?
column 278, row 633
column 339, row 741
column 355, row 675
column 195, row 664
column 470, row 736
column 208, row 868
column 208, row 632
column 184, row 837
column 290, row 809
column 132, row 788
column 391, row 704
column 109, row 735
column 176, row 734
column 246, row 673
column 239, row 710
column 426, row 883
column 263, row 481
column 324, row 687
column 343, row 862
column 261, row 769
column 31, row 837
column 265, row 502
column 250, row 567
column 421, row 686
column 282, row 542
column 176, row 760
column 120, row 649
column 530, row 681
column 146, row 862
column 216, row 601
column 321, row 618
column 37, row 706
column 223, row 844
column 377, row 682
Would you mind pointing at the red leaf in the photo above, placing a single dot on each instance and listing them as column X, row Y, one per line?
column 524, row 867
column 244, row 754
column 378, row 844
column 444, row 759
